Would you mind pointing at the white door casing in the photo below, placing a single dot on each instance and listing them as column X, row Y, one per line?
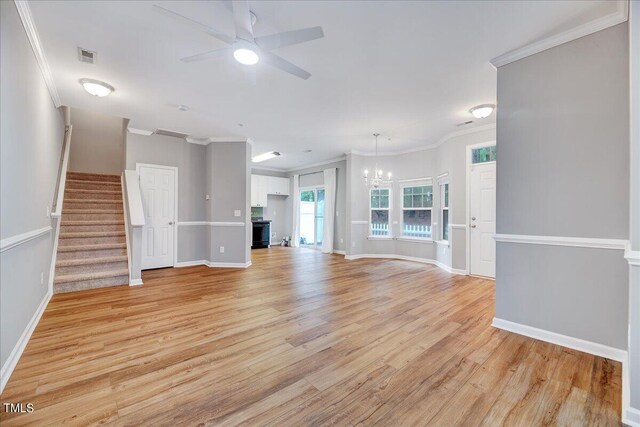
column 158, row 188
column 482, row 219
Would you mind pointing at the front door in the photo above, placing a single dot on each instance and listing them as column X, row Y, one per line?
column 157, row 185
column 482, row 221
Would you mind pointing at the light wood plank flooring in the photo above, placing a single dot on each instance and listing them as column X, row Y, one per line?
column 301, row 338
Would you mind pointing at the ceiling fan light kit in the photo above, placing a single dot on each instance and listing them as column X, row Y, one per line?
column 246, row 48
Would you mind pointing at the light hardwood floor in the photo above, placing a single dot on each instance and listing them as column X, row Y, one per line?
column 301, row 338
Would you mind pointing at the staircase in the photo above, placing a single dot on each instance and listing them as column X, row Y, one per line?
column 92, row 248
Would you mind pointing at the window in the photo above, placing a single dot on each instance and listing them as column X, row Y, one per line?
column 444, row 207
column 379, row 206
column 417, row 203
column 483, row 154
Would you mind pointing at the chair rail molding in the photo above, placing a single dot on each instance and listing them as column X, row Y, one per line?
column 13, row 241
column 578, row 242
column 24, row 11
column 211, row 223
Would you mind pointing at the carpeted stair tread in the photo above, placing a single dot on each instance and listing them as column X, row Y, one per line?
column 92, row 222
column 90, row 261
column 96, row 247
column 85, row 285
column 86, row 181
column 93, row 177
column 101, row 201
column 90, row 211
column 80, row 234
column 90, row 276
column 88, row 190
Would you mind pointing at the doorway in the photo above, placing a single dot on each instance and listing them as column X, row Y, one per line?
column 311, row 216
column 481, row 211
column 158, row 185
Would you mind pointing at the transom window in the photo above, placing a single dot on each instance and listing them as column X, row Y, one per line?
column 380, row 202
column 483, row 154
column 417, row 203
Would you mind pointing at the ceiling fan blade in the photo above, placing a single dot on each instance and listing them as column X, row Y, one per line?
column 284, row 65
column 206, row 55
column 242, row 20
column 202, row 27
column 289, row 38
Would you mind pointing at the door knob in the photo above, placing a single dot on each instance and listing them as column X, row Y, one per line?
column 473, row 218
column 170, row 222
column 473, row 226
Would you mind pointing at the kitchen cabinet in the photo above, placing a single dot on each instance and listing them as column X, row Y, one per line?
column 262, row 185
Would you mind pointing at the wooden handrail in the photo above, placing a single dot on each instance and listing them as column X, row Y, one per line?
column 57, row 213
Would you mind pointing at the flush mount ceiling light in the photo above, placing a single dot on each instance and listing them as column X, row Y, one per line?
column 482, row 111
column 96, row 87
column 183, row 107
column 265, row 156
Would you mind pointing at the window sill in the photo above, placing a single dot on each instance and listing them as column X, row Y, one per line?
column 443, row 243
column 414, row 239
column 379, row 238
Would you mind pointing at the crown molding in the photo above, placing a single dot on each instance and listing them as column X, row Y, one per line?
column 429, row 146
column 313, row 165
column 620, row 15
column 140, row 131
column 24, row 11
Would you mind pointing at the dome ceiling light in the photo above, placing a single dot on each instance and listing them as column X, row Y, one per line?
column 96, row 87
column 482, row 111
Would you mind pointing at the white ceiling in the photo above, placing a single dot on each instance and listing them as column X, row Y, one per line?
column 409, row 70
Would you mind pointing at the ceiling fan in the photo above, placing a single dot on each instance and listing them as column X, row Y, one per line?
column 246, row 48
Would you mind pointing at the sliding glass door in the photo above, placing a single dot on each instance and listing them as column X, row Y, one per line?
column 311, row 216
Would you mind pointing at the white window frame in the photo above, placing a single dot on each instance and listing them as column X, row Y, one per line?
column 419, row 182
column 442, row 181
column 389, row 236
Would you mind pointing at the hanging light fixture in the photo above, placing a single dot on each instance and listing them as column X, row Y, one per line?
column 376, row 179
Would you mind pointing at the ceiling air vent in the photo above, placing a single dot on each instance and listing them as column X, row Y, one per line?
column 87, row 56
column 464, row 123
column 165, row 132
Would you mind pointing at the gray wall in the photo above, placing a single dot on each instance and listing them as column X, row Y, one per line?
column 563, row 170
column 190, row 159
column 31, row 133
column 450, row 157
column 97, row 142
column 229, row 183
column 314, row 176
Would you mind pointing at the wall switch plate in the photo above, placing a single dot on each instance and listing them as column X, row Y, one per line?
column 207, row 197
column 274, row 213
column 48, row 212
column 221, row 249
column 341, row 240
column 337, row 213
column 237, row 212
column 42, row 277
column 353, row 244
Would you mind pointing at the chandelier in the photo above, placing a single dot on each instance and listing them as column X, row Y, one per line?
column 376, row 180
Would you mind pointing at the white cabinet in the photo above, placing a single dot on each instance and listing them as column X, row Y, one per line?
column 277, row 186
column 262, row 185
column 259, row 190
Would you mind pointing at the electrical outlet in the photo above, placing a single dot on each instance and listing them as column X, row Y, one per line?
column 237, row 212
column 42, row 277
column 353, row 244
column 274, row 213
column 337, row 213
column 341, row 240
column 221, row 249
column 273, row 234
column 207, row 197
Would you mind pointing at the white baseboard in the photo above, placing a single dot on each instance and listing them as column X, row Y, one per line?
column 229, row 264
column 213, row 264
column 14, row 357
column 340, row 252
column 631, row 417
column 409, row 258
column 563, row 340
column 135, row 282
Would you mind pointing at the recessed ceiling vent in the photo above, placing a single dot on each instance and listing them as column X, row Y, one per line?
column 468, row 122
column 165, row 132
column 87, row 56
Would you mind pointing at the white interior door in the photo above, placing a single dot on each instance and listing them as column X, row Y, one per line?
column 157, row 185
column 482, row 221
